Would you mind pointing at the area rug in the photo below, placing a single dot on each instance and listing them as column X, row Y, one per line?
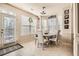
column 11, row 48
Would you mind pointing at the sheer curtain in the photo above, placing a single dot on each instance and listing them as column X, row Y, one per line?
column 53, row 24
column 44, row 25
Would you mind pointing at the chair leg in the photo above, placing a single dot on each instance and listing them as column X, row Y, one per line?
column 35, row 41
column 38, row 45
column 42, row 46
column 56, row 43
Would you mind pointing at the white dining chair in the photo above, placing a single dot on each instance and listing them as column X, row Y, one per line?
column 55, row 34
column 39, row 40
column 35, row 38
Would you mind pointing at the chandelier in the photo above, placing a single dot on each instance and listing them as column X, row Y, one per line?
column 43, row 10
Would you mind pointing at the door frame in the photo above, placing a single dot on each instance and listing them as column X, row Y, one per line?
column 2, row 15
column 75, row 29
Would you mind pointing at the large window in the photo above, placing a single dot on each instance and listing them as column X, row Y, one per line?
column 33, row 25
column 24, row 25
column 7, row 11
column 27, row 27
column 53, row 23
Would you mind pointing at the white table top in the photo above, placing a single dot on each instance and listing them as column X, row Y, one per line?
column 47, row 34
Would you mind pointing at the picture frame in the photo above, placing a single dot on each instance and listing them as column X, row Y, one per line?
column 66, row 26
column 66, row 17
column 66, row 22
column 66, row 14
column 66, row 11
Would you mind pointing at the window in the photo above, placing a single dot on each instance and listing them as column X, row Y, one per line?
column 6, row 11
column 33, row 26
column 53, row 24
column 24, row 25
column 27, row 27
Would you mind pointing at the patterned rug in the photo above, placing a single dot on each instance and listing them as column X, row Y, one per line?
column 10, row 48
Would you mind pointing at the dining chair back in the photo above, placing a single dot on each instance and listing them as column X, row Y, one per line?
column 39, row 40
column 40, row 37
column 35, row 38
column 54, row 36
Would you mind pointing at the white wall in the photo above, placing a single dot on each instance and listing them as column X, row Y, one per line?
column 19, row 13
column 65, row 33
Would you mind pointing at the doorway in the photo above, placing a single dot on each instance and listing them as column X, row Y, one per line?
column 7, row 29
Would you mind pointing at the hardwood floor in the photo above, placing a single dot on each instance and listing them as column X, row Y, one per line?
column 31, row 50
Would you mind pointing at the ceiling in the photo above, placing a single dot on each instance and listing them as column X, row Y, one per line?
column 36, row 8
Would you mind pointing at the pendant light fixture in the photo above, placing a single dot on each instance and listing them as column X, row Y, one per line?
column 43, row 12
